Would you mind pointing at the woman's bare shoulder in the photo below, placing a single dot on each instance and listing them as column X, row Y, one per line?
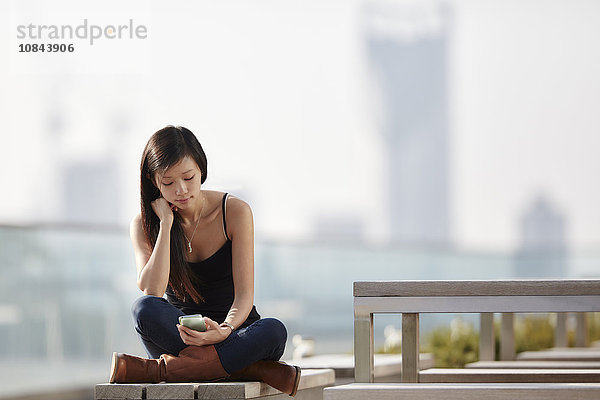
column 239, row 217
column 238, row 206
column 234, row 204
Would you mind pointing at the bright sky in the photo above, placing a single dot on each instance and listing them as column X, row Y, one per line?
column 278, row 93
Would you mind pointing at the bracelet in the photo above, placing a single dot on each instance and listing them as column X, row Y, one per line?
column 227, row 324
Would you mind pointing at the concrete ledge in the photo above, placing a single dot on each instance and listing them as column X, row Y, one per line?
column 533, row 364
column 475, row 375
column 74, row 393
column 386, row 365
column 312, row 382
column 562, row 354
column 420, row 391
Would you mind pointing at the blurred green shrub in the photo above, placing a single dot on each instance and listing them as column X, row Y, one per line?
column 532, row 332
column 457, row 345
column 454, row 346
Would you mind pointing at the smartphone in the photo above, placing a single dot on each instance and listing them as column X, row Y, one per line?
column 195, row 321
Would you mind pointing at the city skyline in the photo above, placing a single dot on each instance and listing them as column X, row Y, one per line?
column 517, row 126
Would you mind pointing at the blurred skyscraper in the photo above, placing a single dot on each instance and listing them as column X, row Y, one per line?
column 542, row 252
column 407, row 46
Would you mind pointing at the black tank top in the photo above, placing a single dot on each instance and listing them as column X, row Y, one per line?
column 216, row 284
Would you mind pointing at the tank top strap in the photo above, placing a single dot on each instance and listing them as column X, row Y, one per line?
column 224, row 210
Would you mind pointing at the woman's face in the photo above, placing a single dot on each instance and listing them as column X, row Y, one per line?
column 180, row 184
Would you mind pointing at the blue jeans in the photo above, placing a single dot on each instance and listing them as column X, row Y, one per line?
column 155, row 319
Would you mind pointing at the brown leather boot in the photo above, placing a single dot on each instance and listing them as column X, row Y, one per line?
column 194, row 363
column 281, row 376
column 132, row 369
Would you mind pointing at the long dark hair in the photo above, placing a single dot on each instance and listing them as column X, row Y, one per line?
column 165, row 148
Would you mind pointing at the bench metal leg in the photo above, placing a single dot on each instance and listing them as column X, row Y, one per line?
column 560, row 331
column 487, row 346
column 507, row 337
column 581, row 330
column 363, row 348
column 410, row 348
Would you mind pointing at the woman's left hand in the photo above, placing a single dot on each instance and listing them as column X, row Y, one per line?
column 214, row 334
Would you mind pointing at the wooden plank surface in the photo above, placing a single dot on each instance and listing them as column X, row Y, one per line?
column 119, row 391
column 481, row 375
column 475, row 304
column 536, row 364
column 309, row 380
column 170, row 391
column 421, row 391
column 523, row 287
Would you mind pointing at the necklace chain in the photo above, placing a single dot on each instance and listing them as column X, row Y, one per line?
column 193, row 233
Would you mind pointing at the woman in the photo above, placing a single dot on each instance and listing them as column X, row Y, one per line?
column 197, row 247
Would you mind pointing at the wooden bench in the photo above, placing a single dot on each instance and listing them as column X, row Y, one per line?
column 410, row 298
column 534, row 364
column 489, row 391
column 487, row 351
column 312, row 383
column 387, row 368
column 517, row 375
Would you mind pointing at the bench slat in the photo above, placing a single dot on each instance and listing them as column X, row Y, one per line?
column 170, row 391
column 481, row 375
column 478, row 304
column 562, row 287
column 562, row 354
column 534, row 364
column 122, row 391
column 421, row 391
column 311, row 380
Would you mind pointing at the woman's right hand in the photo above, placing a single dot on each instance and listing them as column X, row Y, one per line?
column 163, row 209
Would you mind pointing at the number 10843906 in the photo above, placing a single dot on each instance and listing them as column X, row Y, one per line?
column 46, row 48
